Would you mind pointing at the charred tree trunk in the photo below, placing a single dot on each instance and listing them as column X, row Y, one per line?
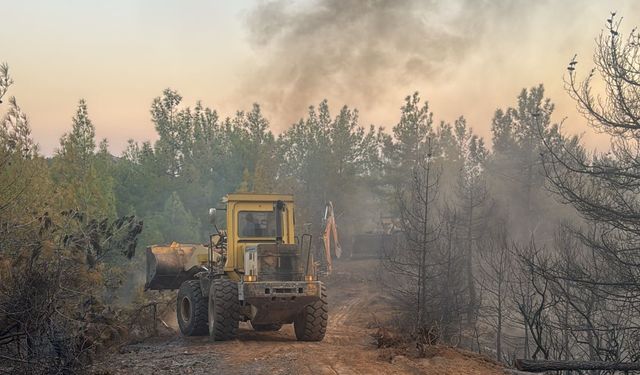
column 532, row 365
column 469, row 264
column 423, row 257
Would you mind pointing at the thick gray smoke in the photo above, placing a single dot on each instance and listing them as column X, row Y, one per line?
column 358, row 51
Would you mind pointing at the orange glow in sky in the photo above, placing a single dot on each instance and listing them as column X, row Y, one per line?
column 119, row 55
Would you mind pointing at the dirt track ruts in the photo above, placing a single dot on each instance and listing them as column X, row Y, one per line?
column 348, row 347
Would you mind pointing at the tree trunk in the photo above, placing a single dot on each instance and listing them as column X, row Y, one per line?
column 423, row 259
column 549, row 365
column 469, row 265
column 499, row 331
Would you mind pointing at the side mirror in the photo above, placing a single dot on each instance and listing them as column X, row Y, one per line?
column 212, row 216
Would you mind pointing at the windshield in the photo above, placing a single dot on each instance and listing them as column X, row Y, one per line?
column 256, row 224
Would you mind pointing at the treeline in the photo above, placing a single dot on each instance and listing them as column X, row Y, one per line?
column 199, row 158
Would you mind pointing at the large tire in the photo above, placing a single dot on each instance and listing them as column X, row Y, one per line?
column 224, row 310
column 266, row 327
column 311, row 322
column 191, row 309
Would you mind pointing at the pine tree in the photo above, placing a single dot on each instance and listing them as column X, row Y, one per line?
column 515, row 166
column 83, row 133
column 410, row 135
column 82, row 178
column 472, row 199
column 24, row 181
column 245, row 185
column 178, row 223
column 325, row 159
column 170, row 128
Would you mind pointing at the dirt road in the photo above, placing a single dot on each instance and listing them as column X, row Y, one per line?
column 348, row 347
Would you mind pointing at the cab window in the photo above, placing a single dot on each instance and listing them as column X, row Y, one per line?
column 256, row 224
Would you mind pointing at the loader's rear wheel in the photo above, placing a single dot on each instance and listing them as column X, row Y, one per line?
column 311, row 322
column 191, row 309
column 224, row 310
column 266, row 327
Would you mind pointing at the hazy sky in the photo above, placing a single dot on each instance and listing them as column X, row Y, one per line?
column 466, row 57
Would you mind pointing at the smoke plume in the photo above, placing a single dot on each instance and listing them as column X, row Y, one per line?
column 359, row 52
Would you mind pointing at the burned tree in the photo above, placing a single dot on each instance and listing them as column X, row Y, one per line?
column 411, row 259
column 604, row 188
column 495, row 265
column 472, row 196
column 425, row 267
column 530, row 300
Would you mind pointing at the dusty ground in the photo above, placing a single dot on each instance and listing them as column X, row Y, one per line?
column 348, row 347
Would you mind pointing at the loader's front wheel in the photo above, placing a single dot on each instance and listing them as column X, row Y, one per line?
column 224, row 310
column 266, row 327
column 311, row 322
column 191, row 309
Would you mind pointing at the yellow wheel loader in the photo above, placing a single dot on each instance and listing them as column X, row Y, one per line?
column 255, row 270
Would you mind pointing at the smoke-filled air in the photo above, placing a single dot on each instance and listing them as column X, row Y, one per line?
column 344, row 187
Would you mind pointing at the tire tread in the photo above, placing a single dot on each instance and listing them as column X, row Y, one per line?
column 226, row 314
column 199, row 326
column 311, row 323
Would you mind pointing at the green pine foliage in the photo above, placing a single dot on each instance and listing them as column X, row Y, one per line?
column 82, row 177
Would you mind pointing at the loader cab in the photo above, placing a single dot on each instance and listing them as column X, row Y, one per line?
column 253, row 219
column 267, row 279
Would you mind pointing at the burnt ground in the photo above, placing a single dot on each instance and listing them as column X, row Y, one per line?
column 348, row 347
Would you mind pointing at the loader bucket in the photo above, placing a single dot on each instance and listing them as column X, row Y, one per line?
column 170, row 265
